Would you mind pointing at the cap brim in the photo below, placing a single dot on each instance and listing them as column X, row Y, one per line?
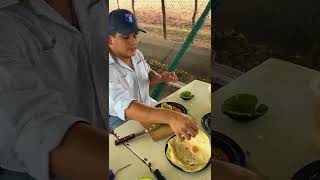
column 128, row 31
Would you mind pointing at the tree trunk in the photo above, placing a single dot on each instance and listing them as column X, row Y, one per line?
column 195, row 12
column 118, row 4
column 164, row 24
column 134, row 12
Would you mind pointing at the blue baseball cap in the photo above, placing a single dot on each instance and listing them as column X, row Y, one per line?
column 124, row 22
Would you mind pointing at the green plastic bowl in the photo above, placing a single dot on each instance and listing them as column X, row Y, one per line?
column 243, row 107
column 186, row 95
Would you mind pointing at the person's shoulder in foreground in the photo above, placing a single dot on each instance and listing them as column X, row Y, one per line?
column 227, row 171
column 41, row 120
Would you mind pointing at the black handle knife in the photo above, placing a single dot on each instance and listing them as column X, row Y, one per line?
column 131, row 136
column 124, row 139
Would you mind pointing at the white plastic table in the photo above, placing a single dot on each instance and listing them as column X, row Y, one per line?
column 120, row 156
column 280, row 142
column 145, row 147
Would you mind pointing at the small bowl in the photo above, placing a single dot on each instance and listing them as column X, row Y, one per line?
column 308, row 172
column 243, row 107
column 229, row 147
column 186, row 95
column 206, row 122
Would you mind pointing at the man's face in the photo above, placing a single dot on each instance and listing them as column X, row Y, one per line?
column 124, row 46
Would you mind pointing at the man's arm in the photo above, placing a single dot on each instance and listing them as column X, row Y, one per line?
column 126, row 107
column 154, row 77
column 82, row 154
column 180, row 123
column 165, row 76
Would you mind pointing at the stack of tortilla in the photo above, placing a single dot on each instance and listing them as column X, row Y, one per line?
column 192, row 155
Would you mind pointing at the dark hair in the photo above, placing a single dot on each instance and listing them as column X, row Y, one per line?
column 112, row 33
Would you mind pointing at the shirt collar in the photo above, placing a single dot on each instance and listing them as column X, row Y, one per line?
column 118, row 61
column 42, row 8
column 111, row 60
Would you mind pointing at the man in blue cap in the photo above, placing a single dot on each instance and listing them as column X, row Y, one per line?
column 130, row 77
column 129, row 80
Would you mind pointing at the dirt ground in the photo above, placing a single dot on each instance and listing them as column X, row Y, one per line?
column 183, row 76
column 235, row 50
column 178, row 17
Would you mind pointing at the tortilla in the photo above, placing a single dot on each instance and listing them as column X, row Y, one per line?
column 192, row 155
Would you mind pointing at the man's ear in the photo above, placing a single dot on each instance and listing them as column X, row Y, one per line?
column 110, row 40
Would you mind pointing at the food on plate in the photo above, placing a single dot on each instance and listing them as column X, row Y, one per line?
column 168, row 106
column 192, row 155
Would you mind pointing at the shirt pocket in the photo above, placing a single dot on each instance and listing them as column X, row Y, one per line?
column 127, row 80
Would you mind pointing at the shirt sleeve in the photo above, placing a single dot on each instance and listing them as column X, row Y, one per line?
column 153, row 102
column 34, row 119
column 118, row 94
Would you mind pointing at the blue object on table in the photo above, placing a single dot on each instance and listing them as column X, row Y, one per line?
column 111, row 175
column 158, row 175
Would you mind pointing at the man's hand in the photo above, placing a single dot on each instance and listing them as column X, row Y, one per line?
column 165, row 76
column 169, row 77
column 183, row 126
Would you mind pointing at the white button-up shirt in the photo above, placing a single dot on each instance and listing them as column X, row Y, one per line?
column 51, row 76
column 126, row 84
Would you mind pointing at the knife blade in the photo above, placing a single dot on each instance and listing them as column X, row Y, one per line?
column 131, row 136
